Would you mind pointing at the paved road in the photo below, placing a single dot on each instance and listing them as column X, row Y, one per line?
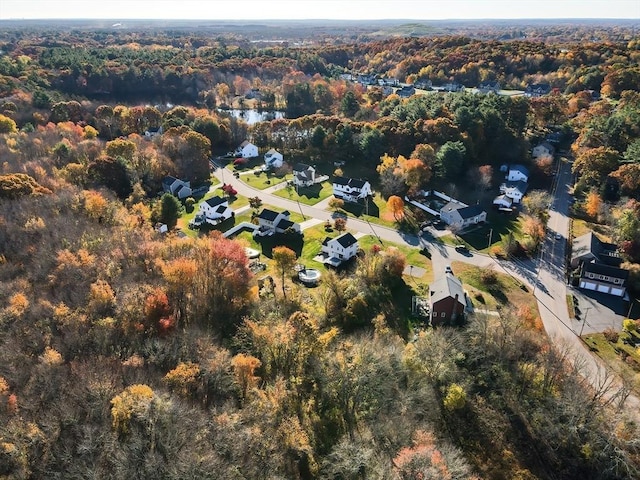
column 546, row 275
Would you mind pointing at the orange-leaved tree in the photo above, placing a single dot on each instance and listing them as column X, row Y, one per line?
column 285, row 259
column 396, row 205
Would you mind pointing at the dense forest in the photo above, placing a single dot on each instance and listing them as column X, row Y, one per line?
column 125, row 353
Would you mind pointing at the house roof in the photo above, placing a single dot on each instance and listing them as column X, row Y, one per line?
column 215, row 201
column 301, row 167
column 607, row 270
column 351, row 182
column 447, row 287
column 221, row 209
column 590, row 245
column 346, row 240
column 519, row 168
column 271, row 152
column 283, row 224
column 520, row 185
column 269, row 215
column 470, row 211
column 169, row 180
column 503, row 198
column 244, row 144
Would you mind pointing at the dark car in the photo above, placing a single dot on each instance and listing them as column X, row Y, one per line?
column 462, row 248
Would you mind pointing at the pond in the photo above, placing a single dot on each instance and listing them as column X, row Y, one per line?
column 253, row 116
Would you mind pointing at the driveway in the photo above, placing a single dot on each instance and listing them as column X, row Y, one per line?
column 597, row 311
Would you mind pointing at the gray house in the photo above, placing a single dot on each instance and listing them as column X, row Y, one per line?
column 460, row 216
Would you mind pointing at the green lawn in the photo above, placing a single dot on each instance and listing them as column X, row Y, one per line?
column 621, row 357
column 506, row 291
column 375, row 212
column 307, row 195
column 412, row 255
column 498, row 225
column 263, row 180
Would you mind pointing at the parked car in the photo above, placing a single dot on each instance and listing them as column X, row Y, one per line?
column 462, row 248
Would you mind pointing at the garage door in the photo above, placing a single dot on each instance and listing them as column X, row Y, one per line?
column 603, row 288
column 617, row 292
column 588, row 285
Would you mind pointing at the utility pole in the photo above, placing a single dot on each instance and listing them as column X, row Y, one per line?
column 584, row 321
column 490, row 235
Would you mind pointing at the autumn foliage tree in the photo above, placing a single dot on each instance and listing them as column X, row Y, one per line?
column 223, row 285
column 285, row 259
column 396, row 205
column 593, row 204
column 244, row 370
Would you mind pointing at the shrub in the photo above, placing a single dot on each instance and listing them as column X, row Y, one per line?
column 611, row 335
column 488, row 277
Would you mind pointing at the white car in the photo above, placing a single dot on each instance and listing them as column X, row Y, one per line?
column 447, row 269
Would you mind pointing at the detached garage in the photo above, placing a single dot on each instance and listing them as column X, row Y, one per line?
column 603, row 278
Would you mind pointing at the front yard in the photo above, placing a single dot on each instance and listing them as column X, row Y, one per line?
column 307, row 195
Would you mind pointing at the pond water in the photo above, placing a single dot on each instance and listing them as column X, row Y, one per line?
column 254, row 116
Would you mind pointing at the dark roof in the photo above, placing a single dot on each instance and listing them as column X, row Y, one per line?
column 169, row 180
column 326, row 241
column 268, row 215
column 608, row 270
column 301, row 167
column 283, row 224
column 341, row 180
column 346, row 240
column 520, row 168
column 520, row 185
column 470, row 211
column 215, row 201
column 590, row 245
column 221, row 208
column 445, row 287
column 351, row 182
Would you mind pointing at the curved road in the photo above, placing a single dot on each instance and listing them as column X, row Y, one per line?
column 546, row 276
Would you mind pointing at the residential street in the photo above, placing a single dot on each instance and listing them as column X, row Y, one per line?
column 546, row 276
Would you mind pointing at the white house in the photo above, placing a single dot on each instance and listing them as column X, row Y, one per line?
column 502, row 201
column 270, row 222
column 459, row 216
column 351, row 189
column 339, row 249
column 246, row 150
column 273, row 159
column 518, row 173
column 543, row 149
column 176, row 187
column 214, row 210
column 303, row 175
column 514, row 190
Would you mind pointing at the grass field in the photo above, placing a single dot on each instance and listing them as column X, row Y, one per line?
column 622, row 357
column 307, row 195
column 504, row 292
column 263, row 180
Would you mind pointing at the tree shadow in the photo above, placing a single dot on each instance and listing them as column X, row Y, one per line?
column 294, row 241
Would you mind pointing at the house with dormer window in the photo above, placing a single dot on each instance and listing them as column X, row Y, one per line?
column 271, row 222
column 273, row 159
column 340, row 249
column 351, row 189
column 246, row 150
column 214, row 210
column 303, row 175
column 176, row 187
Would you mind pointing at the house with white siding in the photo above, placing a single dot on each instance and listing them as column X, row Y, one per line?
column 340, row 249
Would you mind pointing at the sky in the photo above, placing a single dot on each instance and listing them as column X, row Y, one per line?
column 318, row 9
